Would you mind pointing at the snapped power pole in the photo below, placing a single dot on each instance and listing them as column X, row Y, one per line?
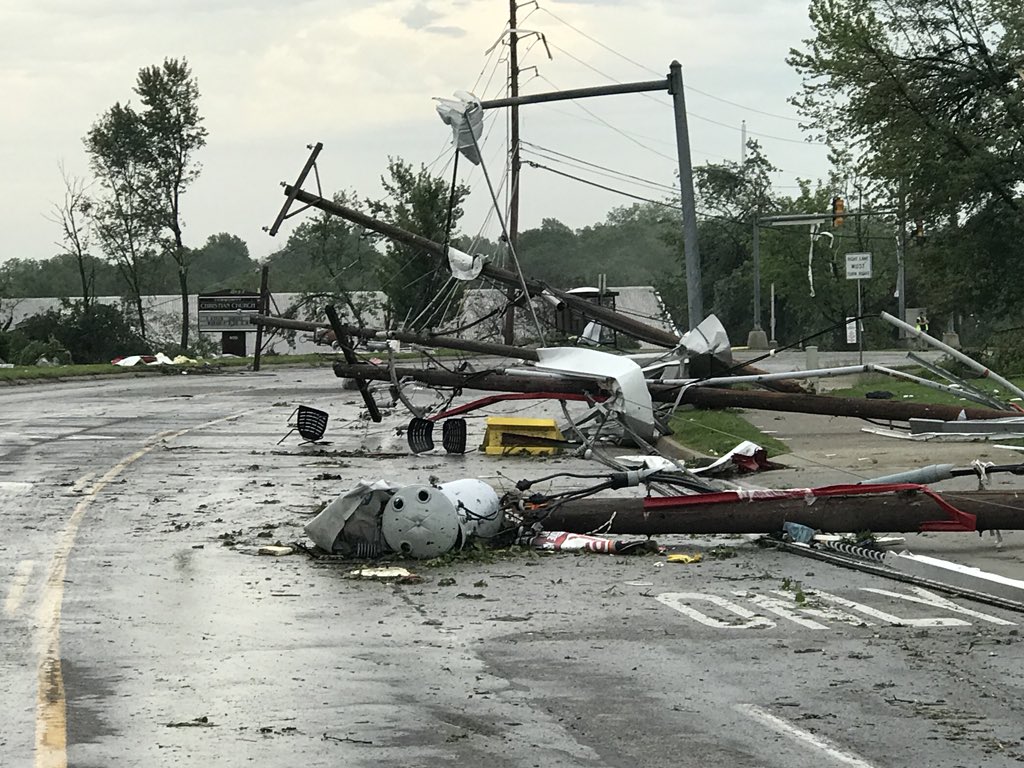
column 513, row 200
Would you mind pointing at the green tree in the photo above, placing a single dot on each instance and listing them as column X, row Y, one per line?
column 921, row 90
column 927, row 100
column 125, row 213
column 414, row 279
column 223, row 262
column 174, row 134
column 730, row 197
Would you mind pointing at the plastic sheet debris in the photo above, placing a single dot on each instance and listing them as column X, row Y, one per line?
column 745, row 457
column 801, row 534
column 158, row 359
column 680, row 557
column 560, row 541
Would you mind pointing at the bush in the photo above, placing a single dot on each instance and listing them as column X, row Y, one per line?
column 94, row 335
column 51, row 350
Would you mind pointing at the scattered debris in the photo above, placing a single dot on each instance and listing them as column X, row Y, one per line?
column 275, row 551
column 399, row 575
column 561, row 541
column 681, row 557
column 198, row 722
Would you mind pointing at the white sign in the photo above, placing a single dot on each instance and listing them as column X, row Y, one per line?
column 851, row 330
column 858, row 266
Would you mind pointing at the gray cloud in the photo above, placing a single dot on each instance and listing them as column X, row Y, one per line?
column 420, row 16
column 446, row 31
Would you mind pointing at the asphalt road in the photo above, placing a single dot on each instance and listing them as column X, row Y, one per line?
column 140, row 627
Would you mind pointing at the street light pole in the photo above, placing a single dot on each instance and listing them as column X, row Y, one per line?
column 757, row 338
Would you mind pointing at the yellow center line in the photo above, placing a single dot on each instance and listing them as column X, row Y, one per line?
column 51, row 708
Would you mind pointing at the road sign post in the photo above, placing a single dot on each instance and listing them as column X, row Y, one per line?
column 858, row 267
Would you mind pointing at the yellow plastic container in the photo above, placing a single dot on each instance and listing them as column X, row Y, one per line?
column 500, row 425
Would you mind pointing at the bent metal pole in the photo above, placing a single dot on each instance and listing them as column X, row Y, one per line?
column 954, row 353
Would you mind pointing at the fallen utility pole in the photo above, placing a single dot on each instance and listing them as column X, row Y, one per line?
column 819, row 405
column 704, row 397
column 903, row 512
column 609, row 317
column 373, row 334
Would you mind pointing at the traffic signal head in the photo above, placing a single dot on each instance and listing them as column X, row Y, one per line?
column 838, row 208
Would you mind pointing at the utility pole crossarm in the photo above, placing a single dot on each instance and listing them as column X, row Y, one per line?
column 579, row 93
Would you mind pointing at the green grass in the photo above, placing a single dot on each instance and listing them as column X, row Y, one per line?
column 716, row 432
column 314, row 360
column 32, row 372
column 908, row 390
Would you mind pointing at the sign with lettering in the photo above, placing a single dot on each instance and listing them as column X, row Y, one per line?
column 858, row 266
column 227, row 311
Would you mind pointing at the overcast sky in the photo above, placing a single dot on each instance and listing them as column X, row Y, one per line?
column 360, row 75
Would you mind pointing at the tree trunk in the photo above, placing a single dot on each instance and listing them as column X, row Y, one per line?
column 183, row 282
column 142, row 315
column 85, row 282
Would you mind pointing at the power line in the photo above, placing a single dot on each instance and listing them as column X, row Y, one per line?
column 571, row 161
column 712, row 216
column 655, row 72
column 617, row 130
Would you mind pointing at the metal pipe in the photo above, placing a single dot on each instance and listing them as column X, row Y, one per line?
column 954, row 353
column 815, row 373
column 938, row 386
column 963, row 384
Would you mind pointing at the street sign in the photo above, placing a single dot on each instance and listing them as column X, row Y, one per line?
column 227, row 311
column 851, row 330
column 858, row 266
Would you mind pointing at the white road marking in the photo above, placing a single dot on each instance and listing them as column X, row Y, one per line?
column 786, row 728
column 13, row 486
column 926, row 597
column 16, row 591
column 823, row 610
column 888, row 617
column 677, row 601
column 781, row 609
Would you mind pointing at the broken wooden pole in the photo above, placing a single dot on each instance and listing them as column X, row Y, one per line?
column 426, row 340
column 604, row 315
column 704, row 397
column 900, row 512
column 822, row 405
column 350, row 358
